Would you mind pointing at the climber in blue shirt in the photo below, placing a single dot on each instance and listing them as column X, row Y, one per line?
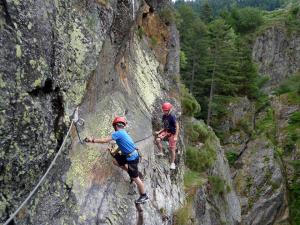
column 129, row 158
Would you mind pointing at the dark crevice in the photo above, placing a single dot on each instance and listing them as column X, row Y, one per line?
column 53, row 41
column 58, row 110
column 7, row 16
column 57, row 107
column 151, row 9
column 47, row 88
column 53, row 52
column 12, row 222
column 237, row 163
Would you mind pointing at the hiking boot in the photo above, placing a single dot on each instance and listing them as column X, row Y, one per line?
column 159, row 154
column 142, row 199
column 172, row 166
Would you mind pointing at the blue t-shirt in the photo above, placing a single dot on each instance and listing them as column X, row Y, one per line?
column 125, row 143
column 169, row 122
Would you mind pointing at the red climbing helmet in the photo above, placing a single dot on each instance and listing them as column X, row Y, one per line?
column 119, row 119
column 166, row 106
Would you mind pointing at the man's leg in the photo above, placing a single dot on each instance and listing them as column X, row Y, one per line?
column 173, row 154
column 159, row 145
column 172, row 150
column 119, row 161
column 140, row 185
column 134, row 174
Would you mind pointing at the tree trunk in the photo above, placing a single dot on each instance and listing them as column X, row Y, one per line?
column 211, row 94
column 193, row 77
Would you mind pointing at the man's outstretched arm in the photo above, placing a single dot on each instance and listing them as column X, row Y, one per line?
column 100, row 140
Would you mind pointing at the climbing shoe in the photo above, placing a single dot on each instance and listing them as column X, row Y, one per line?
column 142, row 199
column 172, row 166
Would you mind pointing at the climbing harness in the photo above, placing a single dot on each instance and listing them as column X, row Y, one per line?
column 43, row 178
column 77, row 122
column 113, row 149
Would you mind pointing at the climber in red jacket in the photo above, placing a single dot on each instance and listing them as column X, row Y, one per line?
column 169, row 132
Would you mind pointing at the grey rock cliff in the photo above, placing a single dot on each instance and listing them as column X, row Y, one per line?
column 59, row 54
column 277, row 54
column 221, row 208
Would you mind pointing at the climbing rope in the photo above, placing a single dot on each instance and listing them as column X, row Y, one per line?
column 75, row 121
column 42, row 179
column 143, row 138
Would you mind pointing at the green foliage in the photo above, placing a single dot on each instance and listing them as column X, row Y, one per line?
column 220, row 6
column 267, row 126
column 295, row 119
column 292, row 20
column 294, row 194
column 263, row 4
column 245, row 125
column 196, row 132
column 192, row 179
column 183, row 60
column 141, row 32
column 231, row 156
column 200, row 159
column 293, row 132
column 218, row 185
column 153, row 40
column 169, row 15
column 291, row 87
column 182, row 216
column 224, row 64
column 189, row 104
column 245, row 20
column 206, row 12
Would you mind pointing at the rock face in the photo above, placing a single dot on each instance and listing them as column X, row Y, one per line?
column 56, row 55
column 277, row 55
column 257, row 172
column 260, row 185
column 223, row 208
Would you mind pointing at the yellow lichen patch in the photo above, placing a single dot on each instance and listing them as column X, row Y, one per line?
column 26, row 117
column 2, row 122
column 2, row 23
column 76, row 92
column 42, row 65
column 16, row 2
column 18, row 51
column 81, row 164
column 146, row 75
column 122, row 69
column 77, row 44
column 2, row 83
column 37, row 83
column 29, row 26
column 32, row 63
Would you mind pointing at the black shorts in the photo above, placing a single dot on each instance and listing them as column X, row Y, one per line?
column 133, row 170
